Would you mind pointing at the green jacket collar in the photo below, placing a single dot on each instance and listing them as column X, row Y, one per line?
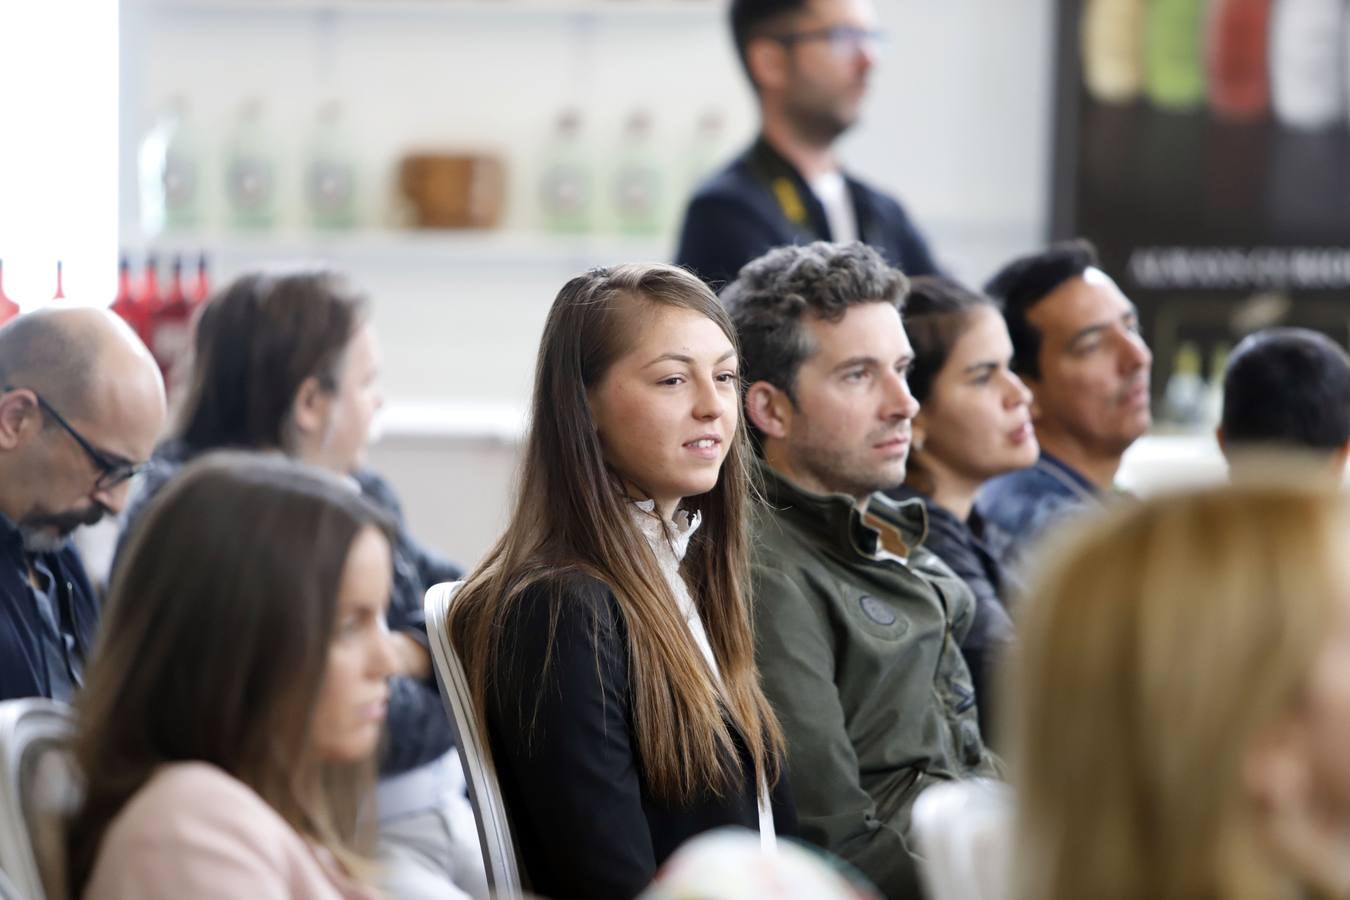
column 835, row 519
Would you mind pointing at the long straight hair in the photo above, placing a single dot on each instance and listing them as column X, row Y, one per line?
column 571, row 515
column 214, row 646
column 1157, row 646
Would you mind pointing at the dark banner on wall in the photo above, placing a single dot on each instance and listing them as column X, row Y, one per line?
column 1203, row 146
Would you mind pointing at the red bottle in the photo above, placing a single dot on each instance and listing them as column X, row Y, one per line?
column 149, row 301
column 8, row 308
column 202, row 289
column 60, row 291
column 125, row 304
column 169, row 331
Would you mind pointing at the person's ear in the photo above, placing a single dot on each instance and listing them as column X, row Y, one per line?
column 769, row 409
column 918, row 432
column 311, row 408
column 1222, row 441
column 1339, row 457
column 1034, row 407
column 767, row 62
column 1282, row 785
column 19, row 418
column 1275, row 768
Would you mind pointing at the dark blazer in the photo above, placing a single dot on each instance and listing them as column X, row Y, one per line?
column 760, row 202
column 25, row 634
column 562, row 738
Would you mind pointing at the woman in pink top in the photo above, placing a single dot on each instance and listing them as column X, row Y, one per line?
column 236, row 696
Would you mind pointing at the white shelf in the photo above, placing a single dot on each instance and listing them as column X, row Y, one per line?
column 422, row 420
column 582, row 10
column 460, row 248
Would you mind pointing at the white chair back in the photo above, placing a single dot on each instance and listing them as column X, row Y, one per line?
column 494, row 830
column 963, row 830
column 38, row 791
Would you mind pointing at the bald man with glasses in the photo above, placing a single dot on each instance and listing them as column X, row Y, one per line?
column 81, row 406
column 809, row 62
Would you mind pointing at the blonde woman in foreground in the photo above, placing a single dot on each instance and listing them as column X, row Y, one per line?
column 1182, row 715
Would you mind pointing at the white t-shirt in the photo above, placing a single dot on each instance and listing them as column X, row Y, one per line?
column 832, row 192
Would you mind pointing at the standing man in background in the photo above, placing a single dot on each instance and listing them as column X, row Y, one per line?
column 808, row 62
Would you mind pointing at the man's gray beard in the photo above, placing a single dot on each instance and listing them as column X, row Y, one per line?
column 41, row 540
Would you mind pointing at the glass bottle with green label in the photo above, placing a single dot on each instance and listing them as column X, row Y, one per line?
column 250, row 170
column 638, row 199
column 567, row 185
column 170, row 168
column 330, row 171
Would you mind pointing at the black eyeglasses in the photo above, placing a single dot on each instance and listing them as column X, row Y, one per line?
column 113, row 470
column 843, row 39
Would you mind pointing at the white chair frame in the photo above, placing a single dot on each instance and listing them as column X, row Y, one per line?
column 27, row 725
column 494, row 828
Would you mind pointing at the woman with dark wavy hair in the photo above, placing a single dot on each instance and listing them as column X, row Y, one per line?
column 607, row 636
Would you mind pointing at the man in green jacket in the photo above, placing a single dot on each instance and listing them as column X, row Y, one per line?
column 857, row 625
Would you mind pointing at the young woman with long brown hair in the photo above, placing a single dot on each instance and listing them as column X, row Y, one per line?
column 228, row 727
column 607, row 636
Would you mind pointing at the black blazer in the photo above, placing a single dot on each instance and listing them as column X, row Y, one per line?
column 760, row 202
column 562, row 738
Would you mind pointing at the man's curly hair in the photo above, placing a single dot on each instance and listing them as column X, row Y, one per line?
column 772, row 294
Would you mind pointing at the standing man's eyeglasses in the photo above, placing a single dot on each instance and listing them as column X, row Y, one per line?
column 843, row 39
column 113, row 469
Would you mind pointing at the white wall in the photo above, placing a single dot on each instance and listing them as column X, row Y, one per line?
column 58, row 159
column 958, row 125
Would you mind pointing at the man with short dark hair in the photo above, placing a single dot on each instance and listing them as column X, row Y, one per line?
column 1287, row 388
column 857, row 624
column 808, row 62
column 81, row 404
column 1077, row 347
